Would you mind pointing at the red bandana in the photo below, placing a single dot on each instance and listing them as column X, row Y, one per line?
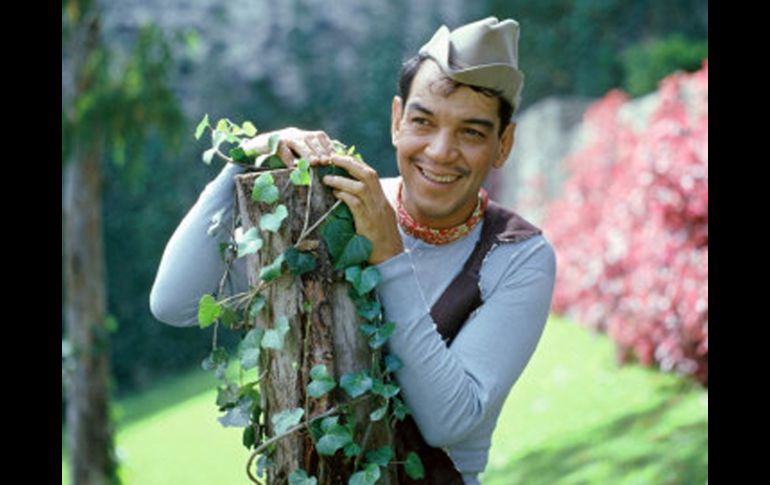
column 439, row 236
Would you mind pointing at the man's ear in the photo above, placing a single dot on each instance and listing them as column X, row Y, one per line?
column 396, row 110
column 506, row 145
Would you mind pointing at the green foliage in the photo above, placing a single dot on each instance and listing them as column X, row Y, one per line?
column 265, row 189
column 248, row 349
column 286, row 419
column 273, row 270
column 273, row 338
column 271, row 221
column 645, row 64
column 413, row 466
column 208, row 311
column 300, row 477
column 299, row 262
column 301, row 173
column 335, row 437
column 368, row 476
column 356, row 383
column 321, row 381
column 248, row 242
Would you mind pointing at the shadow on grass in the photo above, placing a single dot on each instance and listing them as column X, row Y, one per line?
column 636, row 448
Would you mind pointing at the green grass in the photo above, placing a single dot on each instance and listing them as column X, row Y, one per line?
column 573, row 418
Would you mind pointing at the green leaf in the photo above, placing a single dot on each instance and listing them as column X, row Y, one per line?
column 351, row 150
column 382, row 335
column 286, row 419
column 357, row 250
column 208, row 155
column 356, row 384
column 228, row 317
column 273, row 338
column 239, row 155
column 400, row 410
column 272, row 271
column 363, row 281
column 368, row 308
column 392, row 363
column 413, row 466
column 351, row 449
column 385, row 390
column 265, row 189
column 238, row 416
column 223, row 126
column 272, row 220
column 216, row 361
column 368, row 476
column 321, row 382
column 249, row 437
column 257, row 305
column 381, row 456
column 337, row 233
column 248, row 242
column 299, row 262
column 301, row 173
column 300, row 477
column 248, row 349
column 208, row 311
column 228, row 396
column 201, row 127
column 336, row 436
column 249, row 129
column 378, row 413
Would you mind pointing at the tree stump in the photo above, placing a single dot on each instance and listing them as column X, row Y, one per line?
column 323, row 329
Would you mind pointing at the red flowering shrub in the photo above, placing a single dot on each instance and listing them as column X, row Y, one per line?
column 631, row 228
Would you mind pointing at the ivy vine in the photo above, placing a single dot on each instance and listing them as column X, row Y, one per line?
column 239, row 398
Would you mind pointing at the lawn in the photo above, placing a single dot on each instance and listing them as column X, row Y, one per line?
column 573, row 418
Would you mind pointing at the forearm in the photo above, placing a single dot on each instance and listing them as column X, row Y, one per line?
column 191, row 265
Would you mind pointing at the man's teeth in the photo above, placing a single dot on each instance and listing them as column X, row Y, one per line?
column 439, row 178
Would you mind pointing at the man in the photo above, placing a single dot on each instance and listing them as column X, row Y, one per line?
column 467, row 282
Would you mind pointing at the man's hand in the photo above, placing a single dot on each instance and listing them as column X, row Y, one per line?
column 375, row 218
column 294, row 143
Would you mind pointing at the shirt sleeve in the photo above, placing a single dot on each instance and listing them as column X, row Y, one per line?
column 451, row 391
column 191, row 265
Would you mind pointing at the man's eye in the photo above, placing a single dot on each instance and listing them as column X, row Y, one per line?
column 473, row 133
column 420, row 121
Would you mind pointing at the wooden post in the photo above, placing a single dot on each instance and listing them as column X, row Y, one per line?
column 327, row 334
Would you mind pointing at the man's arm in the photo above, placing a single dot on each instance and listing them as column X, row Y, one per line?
column 191, row 265
column 452, row 390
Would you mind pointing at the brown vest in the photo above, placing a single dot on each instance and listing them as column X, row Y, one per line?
column 450, row 312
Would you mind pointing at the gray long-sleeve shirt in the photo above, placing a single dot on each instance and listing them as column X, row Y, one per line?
column 456, row 393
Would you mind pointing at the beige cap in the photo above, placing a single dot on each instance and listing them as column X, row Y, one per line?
column 482, row 53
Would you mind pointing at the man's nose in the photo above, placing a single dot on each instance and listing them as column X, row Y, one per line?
column 441, row 147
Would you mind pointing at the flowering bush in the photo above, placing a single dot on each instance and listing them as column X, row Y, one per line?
column 631, row 228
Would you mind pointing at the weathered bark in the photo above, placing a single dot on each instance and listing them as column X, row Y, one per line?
column 89, row 435
column 328, row 334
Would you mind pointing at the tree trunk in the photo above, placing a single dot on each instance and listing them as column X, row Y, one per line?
column 326, row 334
column 89, row 436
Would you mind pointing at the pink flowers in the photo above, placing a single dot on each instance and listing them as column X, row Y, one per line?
column 631, row 228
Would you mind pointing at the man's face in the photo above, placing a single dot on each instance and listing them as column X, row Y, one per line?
column 445, row 146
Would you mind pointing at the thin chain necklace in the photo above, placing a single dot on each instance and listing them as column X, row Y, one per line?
column 439, row 236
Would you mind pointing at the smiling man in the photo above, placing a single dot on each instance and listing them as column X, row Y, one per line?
column 468, row 282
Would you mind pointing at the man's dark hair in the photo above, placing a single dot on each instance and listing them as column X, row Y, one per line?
column 412, row 65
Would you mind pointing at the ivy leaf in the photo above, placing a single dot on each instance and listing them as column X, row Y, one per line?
column 239, row 155
column 392, row 363
column 299, row 262
column 368, row 329
column 249, row 348
column 382, row 335
column 208, row 311
column 228, row 317
column 378, row 413
column 270, row 159
column 337, row 233
column 259, row 304
column 272, row 220
column 363, row 281
column 201, row 127
column 223, row 126
column 286, row 419
column 400, row 410
column 216, row 361
column 321, row 382
column 300, row 477
column 272, row 271
column 249, row 129
column 239, row 416
column 357, row 250
column 264, row 189
column 249, row 437
column 301, row 173
column 413, row 466
column 336, row 436
column 273, row 338
column 356, row 384
column 351, row 449
column 385, row 390
column 208, row 155
column 368, row 308
column 381, row 456
column 368, row 476
column 248, row 242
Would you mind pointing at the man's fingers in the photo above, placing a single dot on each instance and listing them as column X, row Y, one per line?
column 358, row 169
column 345, row 184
